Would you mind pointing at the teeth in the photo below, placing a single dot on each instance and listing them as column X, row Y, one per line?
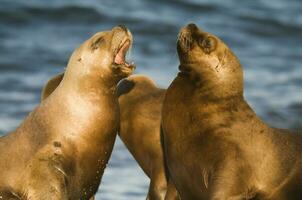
column 129, row 64
column 123, row 55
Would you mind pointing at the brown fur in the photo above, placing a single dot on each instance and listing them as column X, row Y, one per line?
column 216, row 147
column 60, row 150
column 140, row 103
column 49, row 87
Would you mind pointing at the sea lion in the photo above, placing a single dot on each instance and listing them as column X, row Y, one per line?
column 140, row 102
column 215, row 145
column 60, row 150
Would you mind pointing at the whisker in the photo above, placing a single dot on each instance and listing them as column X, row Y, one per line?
column 187, row 43
column 190, row 42
column 179, row 38
column 129, row 53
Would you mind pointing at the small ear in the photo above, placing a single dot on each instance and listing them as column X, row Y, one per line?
column 97, row 43
column 51, row 85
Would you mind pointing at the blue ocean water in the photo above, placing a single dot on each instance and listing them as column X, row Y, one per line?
column 37, row 38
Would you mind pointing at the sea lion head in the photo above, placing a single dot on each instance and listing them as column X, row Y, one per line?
column 208, row 62
column 104, row 55
column 140, row 83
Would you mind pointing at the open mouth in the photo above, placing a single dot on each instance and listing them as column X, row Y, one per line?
column 120, row 57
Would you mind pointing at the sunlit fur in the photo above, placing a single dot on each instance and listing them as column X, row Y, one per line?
column 140, row 102
column 62, row 147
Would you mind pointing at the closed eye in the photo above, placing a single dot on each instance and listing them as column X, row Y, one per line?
column 209, row 44
column 97, row 43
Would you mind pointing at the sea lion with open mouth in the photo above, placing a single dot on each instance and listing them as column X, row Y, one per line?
column 215, row 145
column 61, row 149
column 140, row 102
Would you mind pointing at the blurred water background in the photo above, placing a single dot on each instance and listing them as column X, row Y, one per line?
column 37, row 38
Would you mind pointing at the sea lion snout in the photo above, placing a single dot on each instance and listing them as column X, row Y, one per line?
column 122, row 27
column 191, row 36
column 206, row 60
column 189, row 28
column 192, row 27
column 184, row 40
column 123, row 31
column 122, row 41
column 105, row 53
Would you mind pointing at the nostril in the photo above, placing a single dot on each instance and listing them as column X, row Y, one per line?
column 123, row 27
column 192, row 26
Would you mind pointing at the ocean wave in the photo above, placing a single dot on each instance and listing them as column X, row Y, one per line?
column 190, row 5
column 61, row 14
column 270, row 26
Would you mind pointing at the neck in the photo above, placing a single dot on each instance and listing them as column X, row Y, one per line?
column 206, row 90
column 84, row 98
column 207, row 105
column 94, row 82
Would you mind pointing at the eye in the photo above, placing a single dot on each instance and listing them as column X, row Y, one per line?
column 97, row 43
column 208, row 44
column 200, row 41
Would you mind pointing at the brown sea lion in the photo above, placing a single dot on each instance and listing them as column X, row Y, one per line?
column 215, row 145
column 60, row 150
column 140, row 103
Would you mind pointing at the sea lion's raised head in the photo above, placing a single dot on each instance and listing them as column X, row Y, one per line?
column 207, row 60
column 104, row 55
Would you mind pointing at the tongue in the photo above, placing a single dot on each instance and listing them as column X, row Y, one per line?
column 120, row 56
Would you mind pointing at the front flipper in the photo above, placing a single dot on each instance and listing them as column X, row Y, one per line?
column 9, row 194
column 47, row 175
